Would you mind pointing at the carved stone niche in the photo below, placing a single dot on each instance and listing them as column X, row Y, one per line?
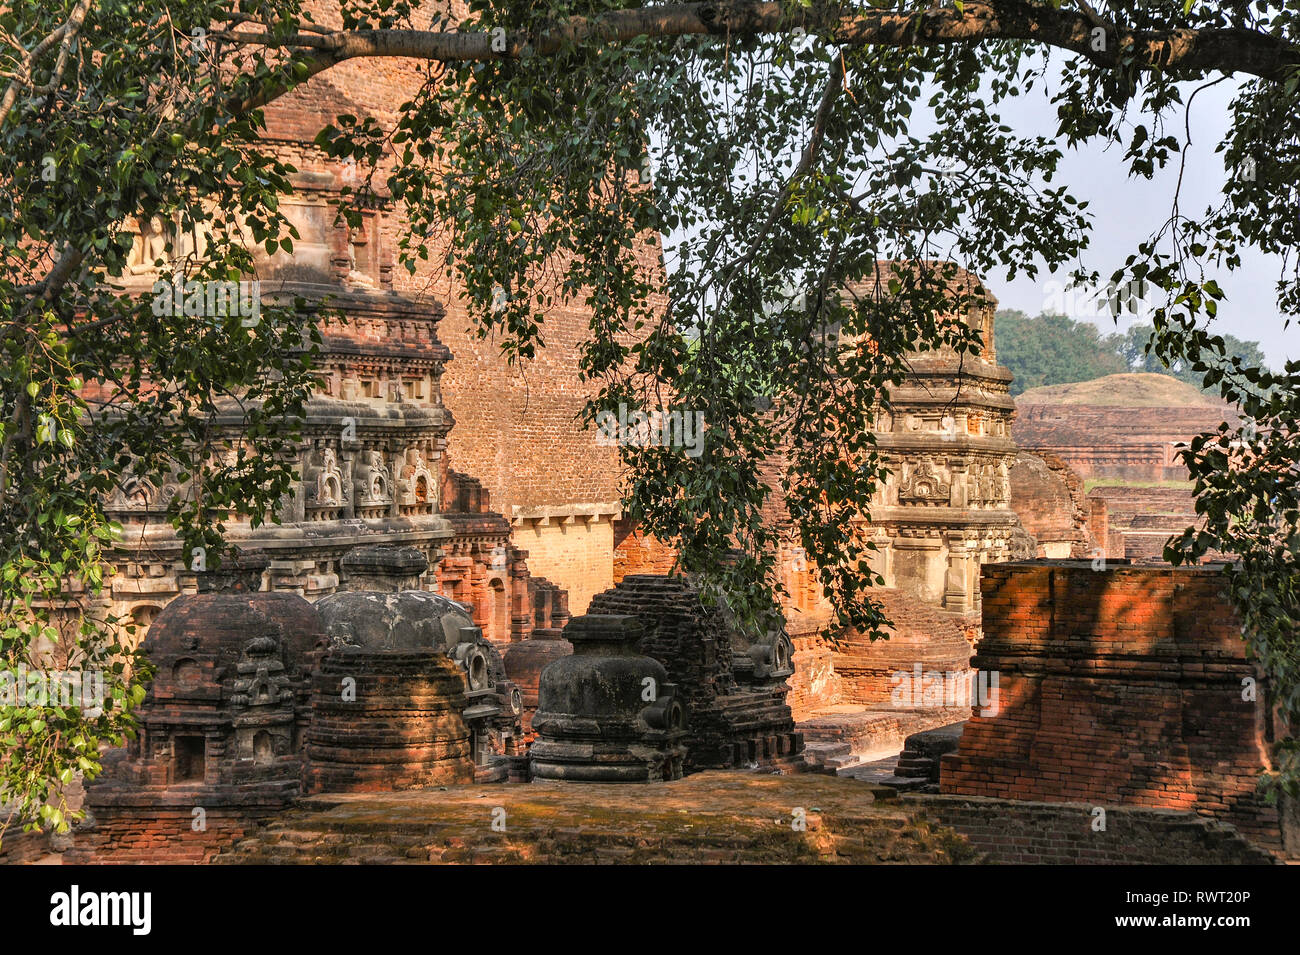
column 923, row 484
column 150, row 245
column 960, row 489
column 329, row 488
column 312, row 258
column 416, row 484
column 262, row 700
column 373, row 479
column 988, row 485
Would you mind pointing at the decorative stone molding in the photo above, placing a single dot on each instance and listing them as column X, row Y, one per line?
column 566, row 513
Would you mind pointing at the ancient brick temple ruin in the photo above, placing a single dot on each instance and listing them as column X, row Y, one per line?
column 372, row 461
column 407, row 389
column 222, row 732
column 394, row 631
column 261, row 697
column 943, row 513
column 1121, row 433
column 608, row 712
column 1124, row 687
column 960, row 496
column 945, row 508
column 1122, row 427
column 421, row 429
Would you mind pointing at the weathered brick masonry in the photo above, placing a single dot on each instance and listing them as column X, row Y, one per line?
column 1133, row 444
column 1140, row 520
column 515, row 426
column 1015, row 832
column 1123, row 686
column 1048, row 498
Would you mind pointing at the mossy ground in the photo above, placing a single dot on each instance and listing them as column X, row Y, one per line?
column 713, row 817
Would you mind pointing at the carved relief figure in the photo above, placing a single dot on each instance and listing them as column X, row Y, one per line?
column 329, row 480
column 987, row 489
column 376, row 479
column 416, row 482
column 359, row 258
column 1004, row 482
column 148, row 246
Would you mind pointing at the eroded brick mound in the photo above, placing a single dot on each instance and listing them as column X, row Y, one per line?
column 1122, row 686
column 728, row 723
column 399, row 728
column 1120, row 426
column 875, row 671
column 1048, row 498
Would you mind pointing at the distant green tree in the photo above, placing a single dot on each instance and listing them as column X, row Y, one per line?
column 1133, row 347
column 1052, row 350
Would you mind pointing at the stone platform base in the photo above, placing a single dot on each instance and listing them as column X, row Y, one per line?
column 715, row 817
column 711, row 817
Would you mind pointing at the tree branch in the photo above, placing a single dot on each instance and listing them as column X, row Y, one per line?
column 1226, row 50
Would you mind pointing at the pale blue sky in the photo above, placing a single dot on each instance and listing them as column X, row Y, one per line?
column 1125, row 211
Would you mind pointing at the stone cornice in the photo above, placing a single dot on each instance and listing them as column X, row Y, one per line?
column 588, row 513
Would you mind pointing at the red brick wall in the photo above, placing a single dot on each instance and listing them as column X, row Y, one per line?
column 1121, row 686
column 1010, row 832
column 20, row 847
column 919, row 634
column 636, row 552
column 1141, row 519
column 159, row 835
column 815, row 683
column 515, row 428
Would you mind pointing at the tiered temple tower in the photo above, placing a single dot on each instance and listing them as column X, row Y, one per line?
column 371, row 459
column 945, row 508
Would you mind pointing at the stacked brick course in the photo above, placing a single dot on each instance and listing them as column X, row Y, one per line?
column 1140, row 520
column 919, row 635
column 402, row 729
column 1133, row 444
column 1011, row 832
